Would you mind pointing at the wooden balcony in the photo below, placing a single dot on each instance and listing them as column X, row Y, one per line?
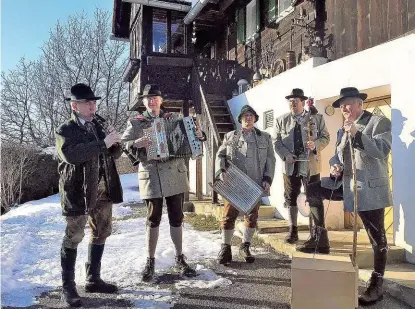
column 174, row 75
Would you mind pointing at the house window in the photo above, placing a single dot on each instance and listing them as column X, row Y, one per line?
column 277, row 8
column 268, row 119
column 177, row 33
column 167, row 32
column 247, row 21
column 159, row 31
column 252, row 19
column 240, row 24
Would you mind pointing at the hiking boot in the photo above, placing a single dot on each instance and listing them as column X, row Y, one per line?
column 245, row 253
column 184, row 268
column 148, row 272
column 225, row 254
column 374, row 291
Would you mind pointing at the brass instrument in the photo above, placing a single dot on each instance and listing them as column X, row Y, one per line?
column 103, row 123
column 302, row 202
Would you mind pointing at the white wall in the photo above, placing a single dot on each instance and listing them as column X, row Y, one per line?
column 387, row 69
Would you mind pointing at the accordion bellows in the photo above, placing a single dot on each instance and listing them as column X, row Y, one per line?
column 239, row 189
column 173, row 138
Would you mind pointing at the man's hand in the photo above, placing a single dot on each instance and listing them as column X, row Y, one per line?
column 336, row 170
column 349, row 126
column 198, row 132
column 223, row 176
column 142, row 142
column 290, row 159
column 112, row 138
column 266, row 186
column 311, row 145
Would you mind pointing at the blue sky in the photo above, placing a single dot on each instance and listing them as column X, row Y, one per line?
column 25, row 24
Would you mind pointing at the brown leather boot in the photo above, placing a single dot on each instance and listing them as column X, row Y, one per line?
column 374, row 291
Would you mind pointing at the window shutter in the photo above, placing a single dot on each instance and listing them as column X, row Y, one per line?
column 240, row 23
column 268, row 119
column 272, row 10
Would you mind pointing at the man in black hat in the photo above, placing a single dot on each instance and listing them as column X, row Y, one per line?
column 158, row 180
column 299, row 151
column 88, row 185
column 251, row 151
column 371, row 140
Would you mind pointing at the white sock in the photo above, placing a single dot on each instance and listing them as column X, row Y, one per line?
column 227, row 236
column 152, row 237
column 248, row 234
column 176, row 234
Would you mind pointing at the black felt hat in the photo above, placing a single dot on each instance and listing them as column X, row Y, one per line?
column 82, row 92
column 349, row 92
column 150, row 90
column 297, row 93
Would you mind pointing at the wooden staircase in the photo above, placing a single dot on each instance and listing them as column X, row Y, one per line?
column 222, row 116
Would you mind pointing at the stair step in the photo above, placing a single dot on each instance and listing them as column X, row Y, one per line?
column 224, row 124
column 217, row 103
column 340, row 244
column 221, row 115
column 215, row 97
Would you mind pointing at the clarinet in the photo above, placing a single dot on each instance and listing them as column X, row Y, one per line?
column 102, row 122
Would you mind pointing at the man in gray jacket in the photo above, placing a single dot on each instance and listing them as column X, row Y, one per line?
column 158, row 180
column 251, row 151
column 295, row 147
column 371, row 140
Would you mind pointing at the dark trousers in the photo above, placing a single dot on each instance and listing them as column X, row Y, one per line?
column 373, row 220
column 174, row 210
column 292, row 187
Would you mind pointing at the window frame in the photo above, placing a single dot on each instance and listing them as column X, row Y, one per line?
column 278, row 16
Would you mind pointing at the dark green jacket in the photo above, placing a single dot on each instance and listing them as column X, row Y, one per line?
column 81, row 156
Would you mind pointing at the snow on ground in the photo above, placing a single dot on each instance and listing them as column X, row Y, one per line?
column 31, row 237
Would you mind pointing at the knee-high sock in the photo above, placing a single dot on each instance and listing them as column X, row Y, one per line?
column 248, row 234
column 292, row 215
column 227, row 236
column 152, row 237
column 176, row 234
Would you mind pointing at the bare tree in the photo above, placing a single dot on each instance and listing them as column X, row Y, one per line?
column 17, row 165
column 76, row 51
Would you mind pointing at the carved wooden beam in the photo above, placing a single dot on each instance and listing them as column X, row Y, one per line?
column 170, row 61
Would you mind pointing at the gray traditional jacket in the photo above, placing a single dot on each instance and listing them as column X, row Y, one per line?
column 156, row 178
column 284, row 143
column 371, row 145
column 254, row 155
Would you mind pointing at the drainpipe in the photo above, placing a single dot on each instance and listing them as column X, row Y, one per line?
column 194, row 11
column 162, row 4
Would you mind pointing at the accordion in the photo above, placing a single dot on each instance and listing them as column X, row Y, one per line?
column 173, row 138
column 239, row 189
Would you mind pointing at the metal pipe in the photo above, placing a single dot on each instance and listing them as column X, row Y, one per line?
column 194, row 11
column 162, row 4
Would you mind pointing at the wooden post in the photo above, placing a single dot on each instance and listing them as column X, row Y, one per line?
column 199, row 179
column 212, row 165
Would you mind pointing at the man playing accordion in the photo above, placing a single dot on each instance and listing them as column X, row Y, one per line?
column 159, row 179
column 252, row 152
